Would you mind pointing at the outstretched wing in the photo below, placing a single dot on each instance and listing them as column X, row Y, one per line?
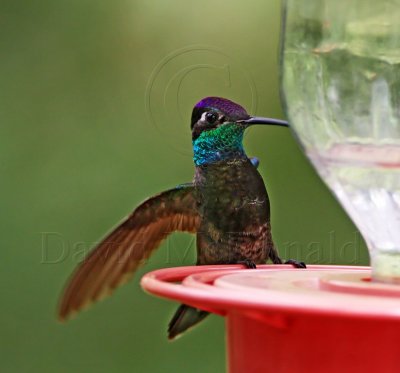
column 115, row 259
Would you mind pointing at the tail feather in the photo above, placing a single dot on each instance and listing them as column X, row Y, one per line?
column 184, row 318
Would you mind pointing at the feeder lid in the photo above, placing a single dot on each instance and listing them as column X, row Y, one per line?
column 331, row 290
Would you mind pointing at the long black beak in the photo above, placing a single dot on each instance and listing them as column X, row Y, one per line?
column 265, row 121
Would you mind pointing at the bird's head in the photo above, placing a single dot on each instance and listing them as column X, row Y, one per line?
column 218, row 126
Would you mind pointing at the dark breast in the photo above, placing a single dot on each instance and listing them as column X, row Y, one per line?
column 234, row 208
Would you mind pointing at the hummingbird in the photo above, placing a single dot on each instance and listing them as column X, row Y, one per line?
column 226, row 206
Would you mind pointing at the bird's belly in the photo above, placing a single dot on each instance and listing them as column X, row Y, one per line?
column 234, row 210
column 223, row 247
column 234, row 231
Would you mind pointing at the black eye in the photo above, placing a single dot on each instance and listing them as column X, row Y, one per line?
column 211, row 117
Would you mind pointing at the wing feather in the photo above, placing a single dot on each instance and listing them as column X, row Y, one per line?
column 121, row 252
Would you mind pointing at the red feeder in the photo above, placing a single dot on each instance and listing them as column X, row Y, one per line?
column 280, row 319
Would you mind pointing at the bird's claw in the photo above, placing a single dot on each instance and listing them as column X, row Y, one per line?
column 295, row 263
column 247, row 263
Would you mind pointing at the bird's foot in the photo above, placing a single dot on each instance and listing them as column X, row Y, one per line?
column 295, row 263
column 247, row 263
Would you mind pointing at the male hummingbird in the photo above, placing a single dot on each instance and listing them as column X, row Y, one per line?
column 226, row 206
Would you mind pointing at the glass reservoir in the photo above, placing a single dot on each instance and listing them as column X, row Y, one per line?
column 341, row 88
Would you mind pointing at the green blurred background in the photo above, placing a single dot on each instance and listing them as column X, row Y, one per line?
column 95, row 104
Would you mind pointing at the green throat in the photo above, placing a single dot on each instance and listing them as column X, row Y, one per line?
column 222, row 143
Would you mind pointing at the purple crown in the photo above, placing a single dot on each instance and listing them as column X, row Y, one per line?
column 228, row 107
